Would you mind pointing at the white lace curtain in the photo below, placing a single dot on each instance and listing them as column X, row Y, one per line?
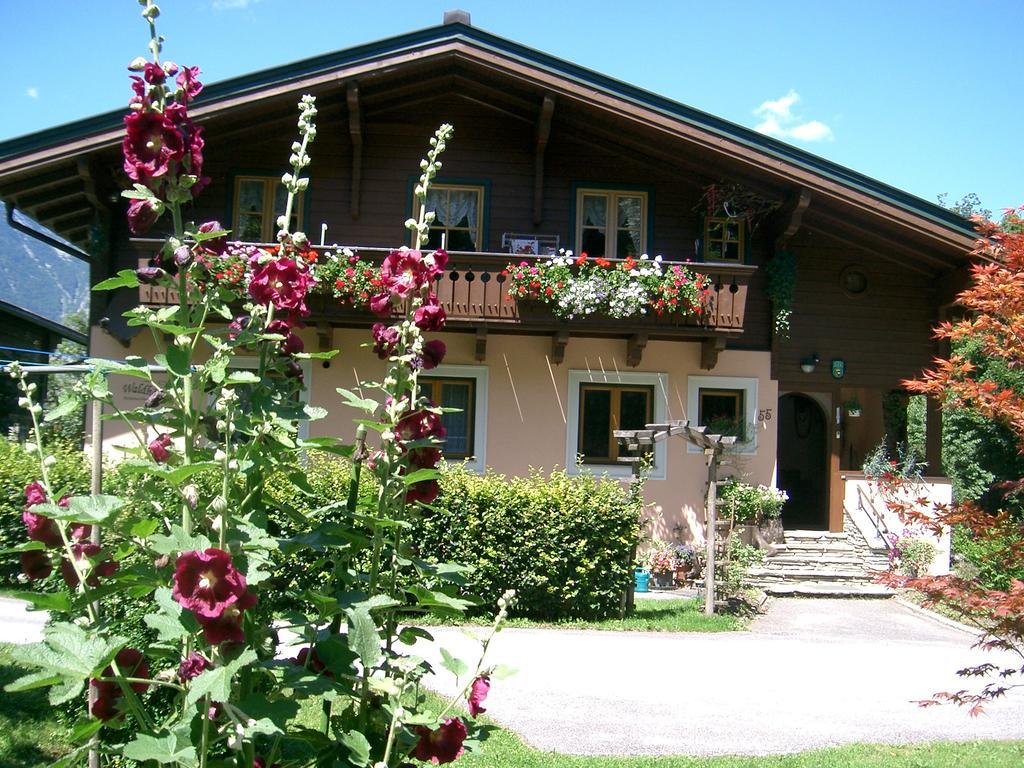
column 454, row 205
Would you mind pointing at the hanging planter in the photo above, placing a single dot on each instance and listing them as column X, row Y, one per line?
column 853, row 408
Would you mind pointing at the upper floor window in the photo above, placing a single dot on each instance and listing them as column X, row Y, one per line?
column 723, row 238
column 611, row 223
column 258, row 202
column 459, row 213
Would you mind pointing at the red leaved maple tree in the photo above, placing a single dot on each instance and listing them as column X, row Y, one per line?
column 994, row 320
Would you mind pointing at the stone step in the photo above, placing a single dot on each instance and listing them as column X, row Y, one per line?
column 809, row 574
column 816, row 546
column 822, row 536
column 814, row 557
column 827, row 589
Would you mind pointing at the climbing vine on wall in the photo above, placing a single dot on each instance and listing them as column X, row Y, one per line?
column 781, row 271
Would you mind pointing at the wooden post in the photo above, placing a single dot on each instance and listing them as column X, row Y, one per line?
column 933, row 438
column 709, row 513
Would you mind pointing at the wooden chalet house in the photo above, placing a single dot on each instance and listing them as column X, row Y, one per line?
column 547, row 153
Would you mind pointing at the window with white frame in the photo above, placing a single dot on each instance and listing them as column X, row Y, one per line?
column 458, row 216
column 599, row 404
column 463, row 388
column 611, row 223
column 726, row 405
column 258, row 202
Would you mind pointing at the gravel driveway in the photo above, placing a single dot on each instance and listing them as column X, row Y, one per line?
column 812, row 673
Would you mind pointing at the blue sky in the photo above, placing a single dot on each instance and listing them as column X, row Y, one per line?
column 921, row 95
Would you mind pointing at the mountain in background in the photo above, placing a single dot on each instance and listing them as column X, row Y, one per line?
column 41, row 278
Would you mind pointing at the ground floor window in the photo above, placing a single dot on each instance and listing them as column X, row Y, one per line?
column 599, row 404
column 462, row 388
column 726, row 405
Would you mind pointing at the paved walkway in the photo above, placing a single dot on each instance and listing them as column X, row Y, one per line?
column 810, row 674
column 19, row 625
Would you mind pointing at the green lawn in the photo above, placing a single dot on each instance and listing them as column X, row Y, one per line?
column 30, row 735
column 672, row 615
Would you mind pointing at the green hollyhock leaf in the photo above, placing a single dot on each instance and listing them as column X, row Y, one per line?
column 178, row 541
column 217, row 681
column 178, row 360
column 457, row 667
column 358, row 747
column 168, row 620
column 125, row 278
column 86, row 509
column 363, row 638
column 57, row 601
column 173, row 749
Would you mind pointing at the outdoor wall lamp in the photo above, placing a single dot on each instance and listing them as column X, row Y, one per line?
column 808, row 364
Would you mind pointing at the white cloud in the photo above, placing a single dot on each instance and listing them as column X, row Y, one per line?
column 232, row 5
column 779, row 120
column 32, row 92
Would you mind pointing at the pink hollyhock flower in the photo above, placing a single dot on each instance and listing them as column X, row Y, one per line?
column 404, row 272
column 142, row 214
column 381, row 304
column 425, row 491
column 130, row 663
column 36, row 565
column 192, row 666
column 477, row 693
column 84, row 552
column 151, row 144
column 188, row 82
column 34, row 494
column 440, row 746
column 207, row 583
column 41, row 528
column 385, row 339
column 433, row 353
column 283, row 283
column 429, row 317
column 158, row 448
column 436, row 262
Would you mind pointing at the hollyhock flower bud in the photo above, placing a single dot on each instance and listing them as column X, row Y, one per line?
column 477, row 693
column 41, row 528
column 158, row 448
column 170, row 68
column 381, row 304
column 207, row 583
column 182, row 256
column 192, row 666
column 216, row 245
column 385, row 339
column 429, row 317
column 156, row 397
column 34, row 494
column 137, row 64
column 36, row 565
column 440, row 746
column 236, row 326
column 130, row 663
column 191, row 495
column 142, row 215
column 433, row 353
column 150, row 275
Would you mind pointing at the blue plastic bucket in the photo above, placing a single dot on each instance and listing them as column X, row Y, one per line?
column 643, row 581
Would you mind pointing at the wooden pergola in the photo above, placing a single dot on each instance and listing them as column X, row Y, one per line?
column 642, row 441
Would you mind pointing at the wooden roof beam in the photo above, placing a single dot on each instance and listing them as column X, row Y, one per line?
column 943, row 264
column 62, row 210
column 355, row 132
column 35, row 183
column 635, row 349
column 906, row 264
column 791, row 216
column 559, row 341
column 73, row 221
column 547, row 109
column 57, row 193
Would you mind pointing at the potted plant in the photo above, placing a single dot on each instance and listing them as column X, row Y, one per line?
column 753, row 506
column 685, row 557
column 853, row 408
column 660, row 561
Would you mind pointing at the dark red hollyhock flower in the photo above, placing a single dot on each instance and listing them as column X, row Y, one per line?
column 142, row 215
column 158, row 448
column 151, row 144
column 477, row 693
column 425, row 457
column 312, row 662
column 282, row 282
column 420, row 425
column 433, row 353
column 41, row 528
column 34, row 494
column 404, row 272
column 81, row 531
column 216, row 245
column 381, row 304
column 238, row 325
column 108, row 693
column 36, row 565
column 291, row 344
column 425, row 491
column 153, row 73
column 192, row 666
column 429, row 317
column 260, row 762
column 440, row 746
column 188, row 82
column 207, row 583
column 226, row 628
column 385, row 339
column 83, row 553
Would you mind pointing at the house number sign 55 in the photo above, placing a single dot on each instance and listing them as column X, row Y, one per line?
column 763, row 415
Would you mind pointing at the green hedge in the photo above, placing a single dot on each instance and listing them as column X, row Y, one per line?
column 565, row 544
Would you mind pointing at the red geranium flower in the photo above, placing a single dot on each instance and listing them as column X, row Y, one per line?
column 131, row 663
column 207, row 583
column 440, row 746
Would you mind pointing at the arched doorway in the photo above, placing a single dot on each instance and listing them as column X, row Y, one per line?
column 803, row 462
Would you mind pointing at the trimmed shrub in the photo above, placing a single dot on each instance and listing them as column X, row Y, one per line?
column 565, row 544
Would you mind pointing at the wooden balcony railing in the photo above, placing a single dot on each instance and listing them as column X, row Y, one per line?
column 473, row 290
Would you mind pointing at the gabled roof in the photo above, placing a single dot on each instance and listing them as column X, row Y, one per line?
column 43, row 322
column 715, row 134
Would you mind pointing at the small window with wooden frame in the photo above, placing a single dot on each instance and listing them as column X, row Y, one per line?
column 458, row 394
column 458, row 216
column 611, row 224
column 723, row 412
column 605, row 408
column 724, row 238
column 257, row 203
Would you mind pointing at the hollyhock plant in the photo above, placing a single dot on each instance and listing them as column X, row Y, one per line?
column 207, row 583
column 130, row 663
column 84, row 553
column 441, row 745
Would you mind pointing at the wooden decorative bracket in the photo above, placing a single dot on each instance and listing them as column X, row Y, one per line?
column 709, row 349
column 559, row 341
column 635, row 349
column 355, row 132
column 480, row 352
column 324, row 337
column 547, row 109
column 791, row 215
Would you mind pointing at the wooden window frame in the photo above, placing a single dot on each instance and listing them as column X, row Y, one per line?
column 269, row 229
column 612, row 196
column 724, row 240
column 739, row 410
column 470, row 411
column 481, row 192
column 615, row 407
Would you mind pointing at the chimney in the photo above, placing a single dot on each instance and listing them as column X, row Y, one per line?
column 457, row 17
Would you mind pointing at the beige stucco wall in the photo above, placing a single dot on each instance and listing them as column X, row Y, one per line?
column 527, row 417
